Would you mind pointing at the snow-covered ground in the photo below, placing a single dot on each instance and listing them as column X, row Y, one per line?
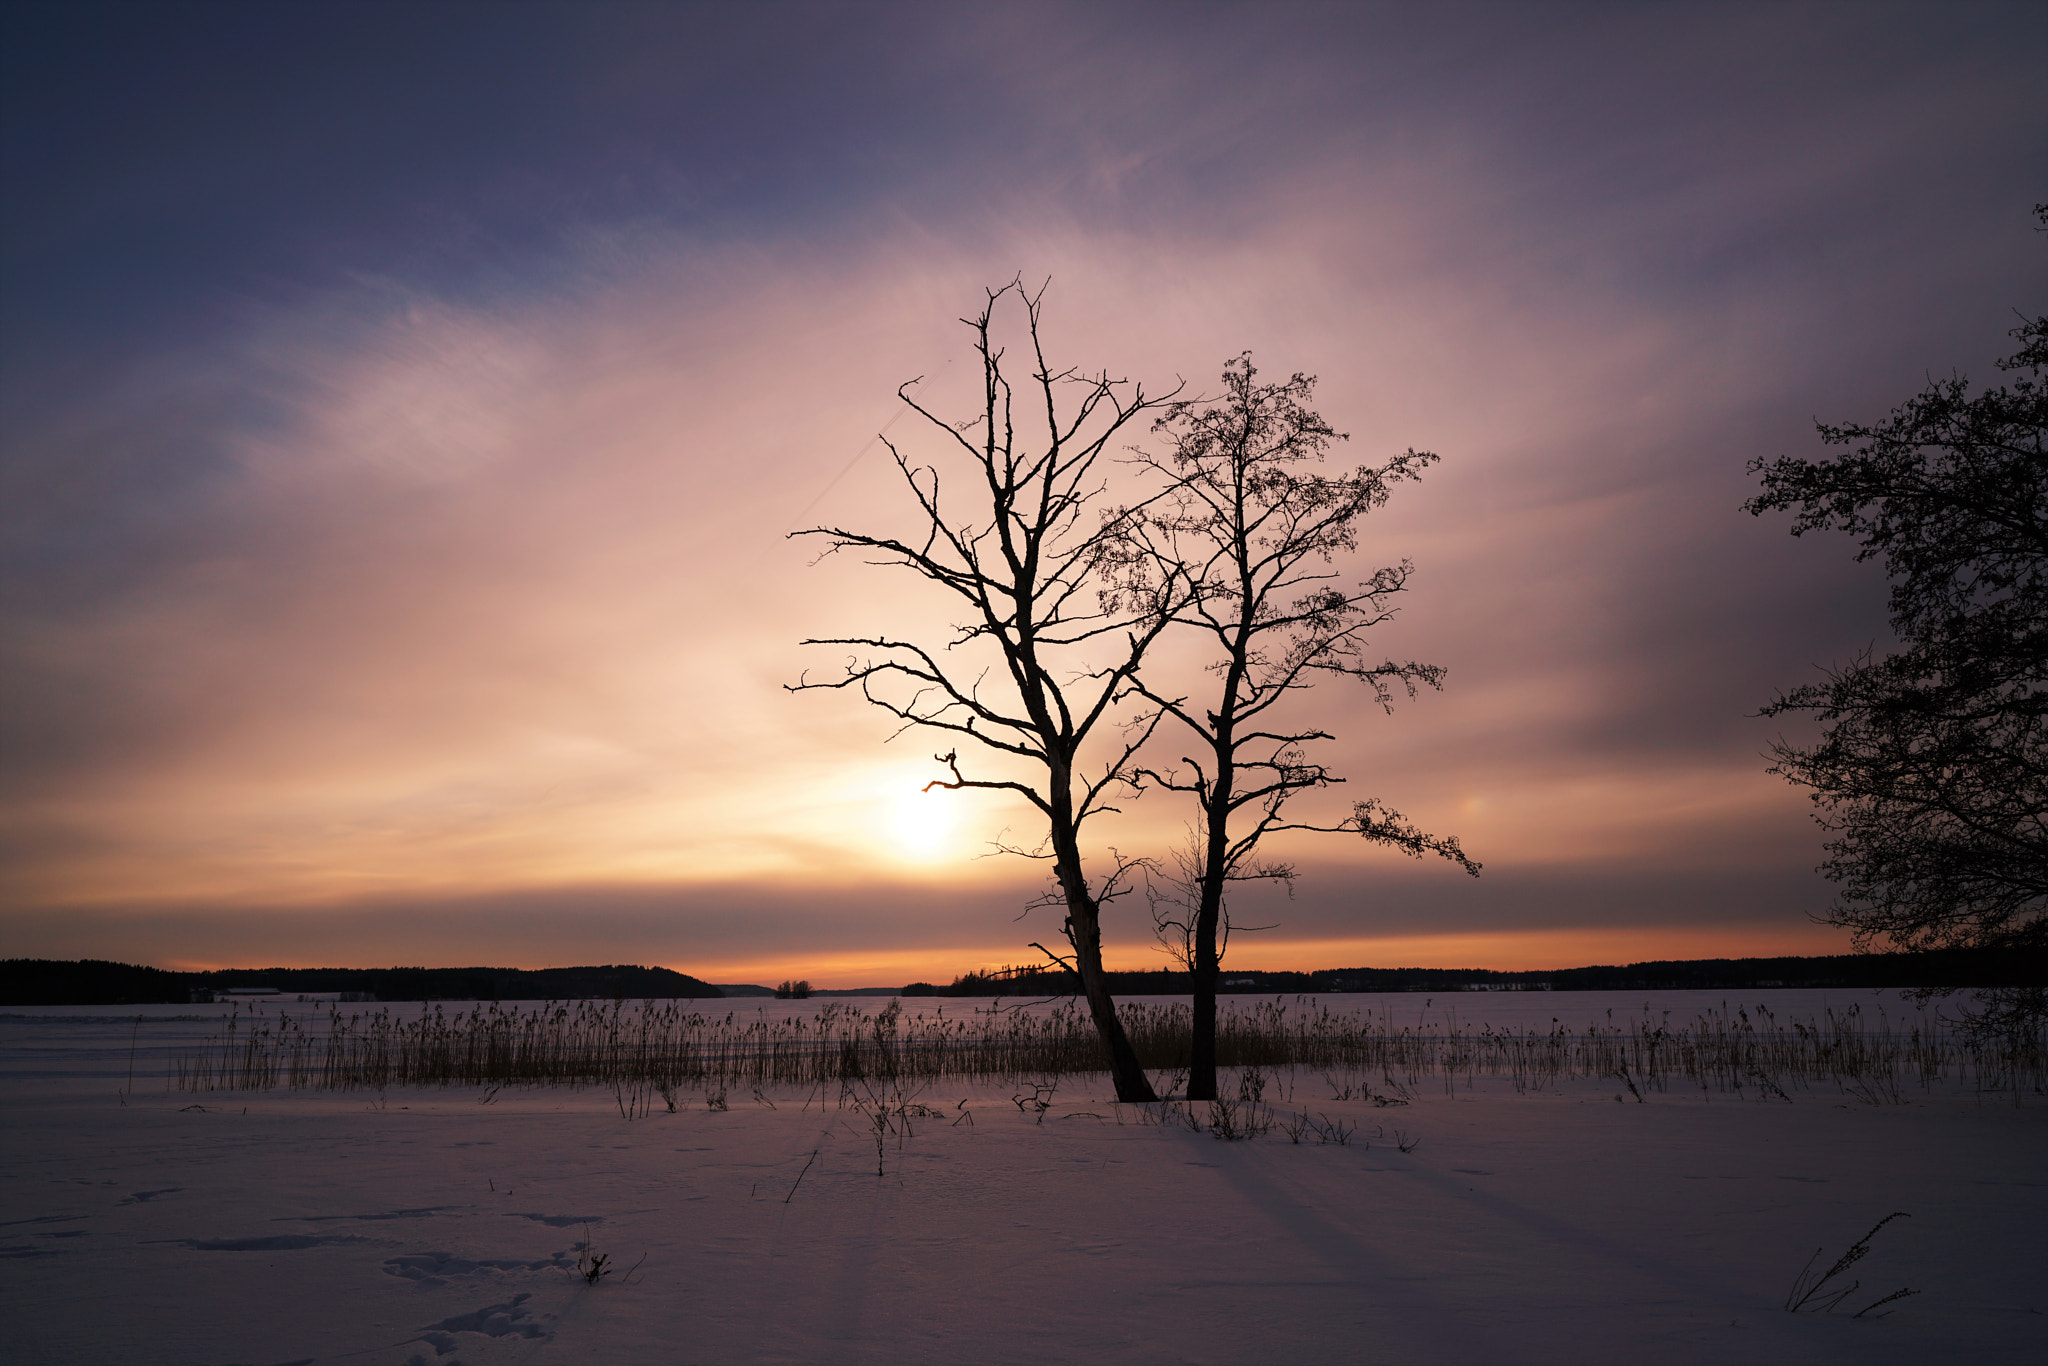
column 140, row 1225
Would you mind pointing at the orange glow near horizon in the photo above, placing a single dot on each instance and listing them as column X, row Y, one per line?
column 1549, row 950
column 1504, row 951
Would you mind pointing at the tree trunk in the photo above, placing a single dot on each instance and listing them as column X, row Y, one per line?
column 1202, row 1057
column 1084, row 932
column 1208, row 964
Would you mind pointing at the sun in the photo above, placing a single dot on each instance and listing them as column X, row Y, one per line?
column 922, row 823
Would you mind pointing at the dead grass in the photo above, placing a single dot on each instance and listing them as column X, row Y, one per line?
column 651, row 1049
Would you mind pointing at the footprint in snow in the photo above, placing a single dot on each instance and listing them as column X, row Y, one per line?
column 432, row 1269
column 424, row 1212
column 283, row 1242
column 496, row 1321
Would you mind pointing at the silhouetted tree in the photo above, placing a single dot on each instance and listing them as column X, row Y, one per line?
column 1931, row 771
column 1039, row 664
column 1257, row 528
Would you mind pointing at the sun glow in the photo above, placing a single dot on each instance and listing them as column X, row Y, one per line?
column 923, row 823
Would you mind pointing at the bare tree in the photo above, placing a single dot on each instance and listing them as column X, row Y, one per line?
column 1039, row 665
column 1256, row 531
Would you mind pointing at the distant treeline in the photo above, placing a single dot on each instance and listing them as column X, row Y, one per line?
column 1941, row 968
column 43, row 981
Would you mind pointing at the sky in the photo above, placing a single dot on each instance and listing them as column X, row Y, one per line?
column 404, row 409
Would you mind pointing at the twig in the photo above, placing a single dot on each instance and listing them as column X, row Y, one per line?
column 1808, row 1289
column 800, row 1176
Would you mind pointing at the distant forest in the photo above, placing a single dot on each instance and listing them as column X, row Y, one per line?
column 1937, row 968
column 42, row 981
column 48, row 982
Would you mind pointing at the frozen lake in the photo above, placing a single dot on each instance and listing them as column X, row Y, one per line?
column 445, row 1225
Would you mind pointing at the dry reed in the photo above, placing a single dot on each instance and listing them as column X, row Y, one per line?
column 662, row 1045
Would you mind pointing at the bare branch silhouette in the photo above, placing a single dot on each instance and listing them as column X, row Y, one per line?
column 1022, row 550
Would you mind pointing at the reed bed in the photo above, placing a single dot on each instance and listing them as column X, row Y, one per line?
column 675, row 1044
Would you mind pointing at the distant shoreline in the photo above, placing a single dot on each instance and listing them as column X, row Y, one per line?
column 36, row 981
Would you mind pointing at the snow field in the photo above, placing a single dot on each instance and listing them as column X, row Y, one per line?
column 445, row 1226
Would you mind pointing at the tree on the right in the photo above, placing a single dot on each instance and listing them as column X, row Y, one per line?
column 1257, row 533
column 1930, row 774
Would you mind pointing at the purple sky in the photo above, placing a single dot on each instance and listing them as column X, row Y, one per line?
column 404, row 406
